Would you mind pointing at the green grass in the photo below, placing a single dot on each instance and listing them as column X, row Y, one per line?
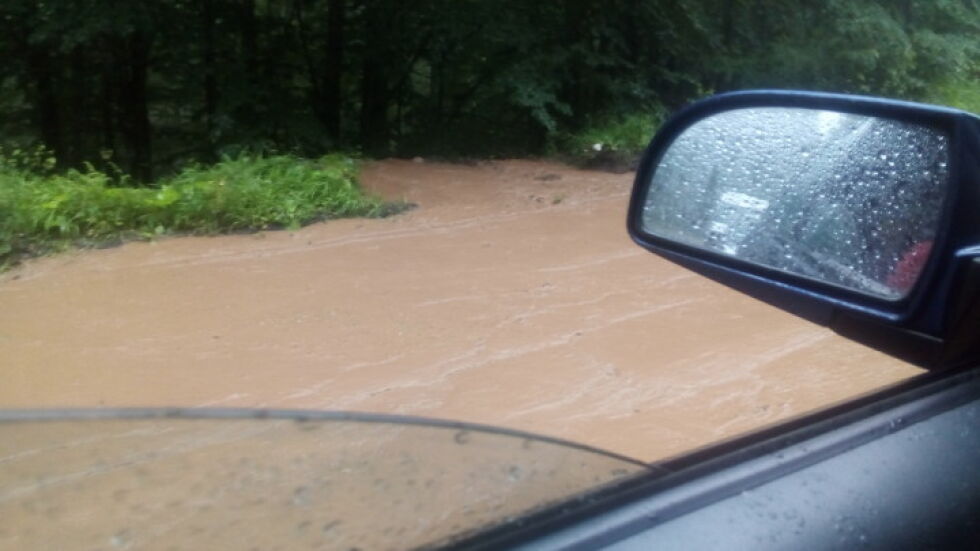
column 41, row 213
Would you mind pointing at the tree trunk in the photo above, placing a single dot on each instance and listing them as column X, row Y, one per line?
column 577, row 19
column 333, row 67
column 210, row 78
column 135, row 108
column 107, row 107
column 723, row 81
column 249, row 37
column 78, row 148
column 46, row 113
column 374, row 85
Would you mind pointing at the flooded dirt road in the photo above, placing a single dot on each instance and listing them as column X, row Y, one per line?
column 511, row 296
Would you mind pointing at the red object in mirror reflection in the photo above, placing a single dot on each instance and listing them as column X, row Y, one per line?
column 907, row 270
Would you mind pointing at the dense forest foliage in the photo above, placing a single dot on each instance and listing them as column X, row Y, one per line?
column 145, row 87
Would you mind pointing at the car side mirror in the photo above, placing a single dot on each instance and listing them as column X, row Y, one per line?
column 861, row 214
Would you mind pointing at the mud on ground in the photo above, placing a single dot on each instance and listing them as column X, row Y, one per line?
column 511, row 296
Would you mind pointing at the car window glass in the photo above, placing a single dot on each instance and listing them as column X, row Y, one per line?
column 275, row 483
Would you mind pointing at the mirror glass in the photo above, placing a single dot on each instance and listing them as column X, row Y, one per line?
column 850, row 200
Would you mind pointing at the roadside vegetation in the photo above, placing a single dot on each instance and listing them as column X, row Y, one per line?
column 960, row 94
column 158, row 84
column 43, row 211
column 127, row 95
column 612, row 143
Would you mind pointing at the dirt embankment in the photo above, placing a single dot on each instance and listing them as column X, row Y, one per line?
column 511, row 296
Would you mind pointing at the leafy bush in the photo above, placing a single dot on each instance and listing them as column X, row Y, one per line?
column 962, row 94
column 38, row 159
column 611, row 142
column 40, row 213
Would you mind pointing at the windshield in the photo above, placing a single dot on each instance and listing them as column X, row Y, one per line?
column 244, row 480
column 414, row 208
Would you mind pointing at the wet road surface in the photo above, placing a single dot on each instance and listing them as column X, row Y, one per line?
column 511, row 296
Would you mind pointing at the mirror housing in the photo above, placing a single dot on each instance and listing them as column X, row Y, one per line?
column 933, row 322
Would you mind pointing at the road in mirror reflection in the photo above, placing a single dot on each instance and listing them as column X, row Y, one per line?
column 846, row 199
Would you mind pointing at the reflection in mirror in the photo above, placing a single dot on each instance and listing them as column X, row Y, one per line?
column 845, row 199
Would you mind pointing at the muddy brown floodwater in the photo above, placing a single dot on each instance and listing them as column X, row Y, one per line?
column 511, row 296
